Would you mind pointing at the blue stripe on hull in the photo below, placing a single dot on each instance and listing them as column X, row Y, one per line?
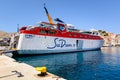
column 50, row 51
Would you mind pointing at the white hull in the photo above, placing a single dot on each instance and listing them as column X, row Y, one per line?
column 38, row 44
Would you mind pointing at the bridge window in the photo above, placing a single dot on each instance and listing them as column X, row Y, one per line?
column 47, row 32
column 43, row 32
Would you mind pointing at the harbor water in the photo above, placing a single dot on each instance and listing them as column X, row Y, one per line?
column 101, row 64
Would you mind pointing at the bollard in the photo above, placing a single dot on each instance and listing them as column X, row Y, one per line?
column 42, row 70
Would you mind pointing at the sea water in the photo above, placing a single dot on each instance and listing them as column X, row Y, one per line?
column 102, row 64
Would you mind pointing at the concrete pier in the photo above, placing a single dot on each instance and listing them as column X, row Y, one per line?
column 12, row 70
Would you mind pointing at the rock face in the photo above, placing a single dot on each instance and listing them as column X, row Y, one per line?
column 111, row 39
column 118, row 39
column 4, row 34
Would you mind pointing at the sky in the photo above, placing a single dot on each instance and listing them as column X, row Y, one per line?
column 83, row 14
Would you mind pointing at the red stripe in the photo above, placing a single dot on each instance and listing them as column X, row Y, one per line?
column 36, row 31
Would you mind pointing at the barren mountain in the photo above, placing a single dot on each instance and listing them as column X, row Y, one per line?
column 4, row 34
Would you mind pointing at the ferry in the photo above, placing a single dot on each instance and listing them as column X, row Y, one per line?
column 50, row 37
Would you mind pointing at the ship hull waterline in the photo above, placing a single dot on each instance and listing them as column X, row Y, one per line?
column 40, row 52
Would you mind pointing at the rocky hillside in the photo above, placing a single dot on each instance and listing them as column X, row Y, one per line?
column 110, row 39
column 4, row 34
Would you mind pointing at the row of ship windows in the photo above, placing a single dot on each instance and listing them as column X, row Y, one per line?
column 71, row 35
column 82, row 36
column 47, row 32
